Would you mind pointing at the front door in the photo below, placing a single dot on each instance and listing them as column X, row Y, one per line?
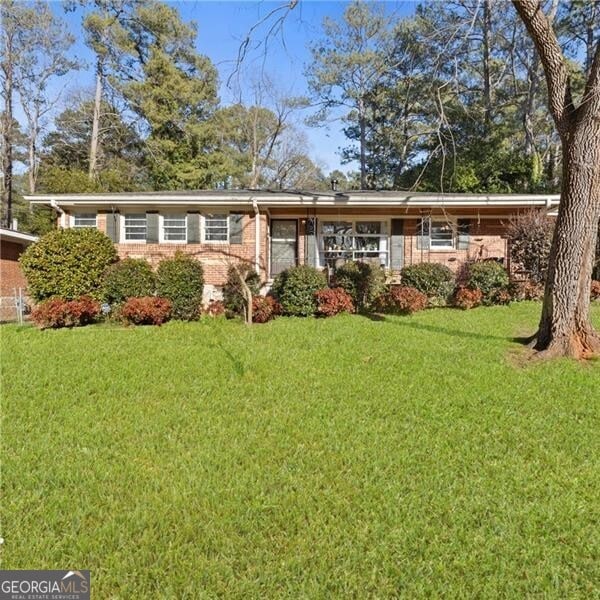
column 284, row 245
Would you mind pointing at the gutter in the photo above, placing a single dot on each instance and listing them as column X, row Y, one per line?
column 63, row 217
column 256, row 236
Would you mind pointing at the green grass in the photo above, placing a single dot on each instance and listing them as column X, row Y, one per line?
column 413, row 457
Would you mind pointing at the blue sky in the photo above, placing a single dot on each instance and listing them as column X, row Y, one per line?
column 222, row 26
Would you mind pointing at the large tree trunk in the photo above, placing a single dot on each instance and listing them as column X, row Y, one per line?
column 565, row 326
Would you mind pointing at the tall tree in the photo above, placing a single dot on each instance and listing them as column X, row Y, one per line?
column 65, row 158
column 173, row 90
column 348, row 62
column 565, row 325
column 45, row 42
column 105, row 30
column 10, row 31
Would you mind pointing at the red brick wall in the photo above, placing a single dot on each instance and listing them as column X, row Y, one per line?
column 215, row 257
column 485, row 241
column 11, row 276
column 487, row 228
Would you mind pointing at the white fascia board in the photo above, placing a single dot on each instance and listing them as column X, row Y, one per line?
column 287, row 201
column 17, row 236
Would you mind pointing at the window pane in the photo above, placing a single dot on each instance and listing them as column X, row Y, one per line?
column 337, row 236
column 135, row 227
column 174, row 228
column 216, row 228
column 368, row 227
column 442, row 235
column 85, row 220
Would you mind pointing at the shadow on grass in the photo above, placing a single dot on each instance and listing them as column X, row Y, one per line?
column 236, row 363
column 407, row 322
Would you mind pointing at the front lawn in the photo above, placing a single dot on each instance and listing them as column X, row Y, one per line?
column 338, row 458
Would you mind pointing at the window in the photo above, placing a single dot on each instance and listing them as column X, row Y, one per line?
column 442, row 234
column 135, row 227
column 358, row 240
column 84, row 220
column 174, row 228
column 216, row 228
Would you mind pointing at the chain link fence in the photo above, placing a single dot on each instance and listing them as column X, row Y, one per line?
column 14, row 308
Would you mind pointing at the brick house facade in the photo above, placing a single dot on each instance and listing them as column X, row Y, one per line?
column 12, row 245
column 274, row 230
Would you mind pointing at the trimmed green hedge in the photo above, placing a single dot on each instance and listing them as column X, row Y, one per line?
column 491, row 278
column 432, row 279
column 295, row 289
column 181, row 280
column 129, row 278
column 67, row 263
column 363, row 281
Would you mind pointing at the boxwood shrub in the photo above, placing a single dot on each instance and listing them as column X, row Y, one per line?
column 129, row 278
column 363, row 281
column 432, row 279
column 492, row 279
column 295, row 289
column 67, row 263
column 181, row 280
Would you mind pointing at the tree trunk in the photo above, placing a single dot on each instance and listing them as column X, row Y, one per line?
column 565, row 326
column 32, row 164
column 93, row 167
column 363, row 144
column 7, row 141
column 487, row 77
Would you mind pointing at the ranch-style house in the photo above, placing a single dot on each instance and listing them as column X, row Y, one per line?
column 273, row 230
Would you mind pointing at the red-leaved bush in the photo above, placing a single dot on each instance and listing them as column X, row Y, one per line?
column 402, row 300
column 147, row 310
column 264, row 308
column 526, row 290
column 333, row 301
column 215, row 308
column 57, row 312
column 595, row 290
column 467, row 298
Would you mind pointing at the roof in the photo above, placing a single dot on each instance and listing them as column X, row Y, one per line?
column 10, row 235
column 292, row 198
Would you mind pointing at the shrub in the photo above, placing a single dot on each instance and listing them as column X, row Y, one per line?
column 331, row 302
column 491, row 278
column 526, row 290
column 67, row 263
column 129, row 278
column 501, row 297
column 432, row 279
column 181, row 280
column 295, row 289
column 467, row 298
column 215, row 308
column 148, row 310
column 264, row 308
column 233, row 295
column 530, row 237
column 401, row 300
column 363, row 281
column 595, row 290
column 58, row 312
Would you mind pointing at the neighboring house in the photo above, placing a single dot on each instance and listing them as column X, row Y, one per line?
column 273, row 230
column 12, row 280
